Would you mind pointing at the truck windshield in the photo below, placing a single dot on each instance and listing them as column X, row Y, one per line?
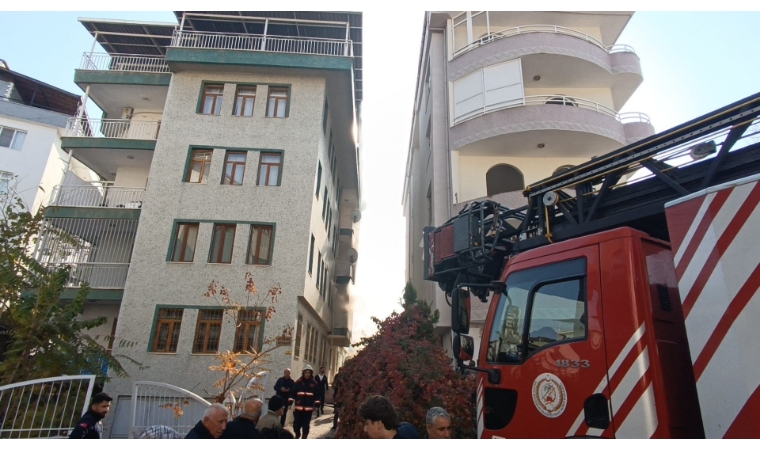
column 555, row 295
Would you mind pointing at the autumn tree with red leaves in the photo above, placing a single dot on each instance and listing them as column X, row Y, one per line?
column 404, row 362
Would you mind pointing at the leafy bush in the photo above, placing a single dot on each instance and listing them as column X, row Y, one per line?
column 404, row 362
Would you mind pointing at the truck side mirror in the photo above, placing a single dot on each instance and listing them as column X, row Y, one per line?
column 460, row 311
column 463, row 347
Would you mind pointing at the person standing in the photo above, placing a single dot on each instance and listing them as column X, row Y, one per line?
column 244, row 425
column 336, row 399
column 323, row 386
column 438, row 423
column 306, row 390
column 272, row 418
column 89, row 425
column 284, row 387
column 213, row 424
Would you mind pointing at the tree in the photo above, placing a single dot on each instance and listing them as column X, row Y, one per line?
column 239, row 368
column 405, row 363
column 44, row 337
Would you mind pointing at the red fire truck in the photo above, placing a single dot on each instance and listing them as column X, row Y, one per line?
column 621, row 305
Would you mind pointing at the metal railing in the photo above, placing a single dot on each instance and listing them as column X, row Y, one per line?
column 264, row 43
column 44, row 408
column 96, row 275
column 553, row 29
column 531, row 100
column 113, row 128
column 155, row 403
column 124, row 62
column 98, row 195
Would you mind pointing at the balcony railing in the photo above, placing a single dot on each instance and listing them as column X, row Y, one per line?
column 531, row 100
column 98, row 195
column 124, row 62
column 113, row 128
column 525, row 29
column 96, row 275
column 262, row 43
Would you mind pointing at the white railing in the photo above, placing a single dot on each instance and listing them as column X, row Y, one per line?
column 68, row 241
column 124, row 62
column 561, row 100
column 98, row 195
column 156, row 403
column 264, row 43
column 44, row 408
column 95, row 275
column 113, row 128
column 553, row 29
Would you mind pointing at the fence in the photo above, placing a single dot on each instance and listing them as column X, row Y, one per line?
column 98, row 195
column 156, row 403
column 228, row 41
column 44, row 408
column 124, row 62
column 113, row 128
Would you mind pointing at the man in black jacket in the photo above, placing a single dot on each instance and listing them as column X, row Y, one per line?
column 323, row 386
column 283, row 388
column 89, row 426
column 244, row 425
column 213, row 424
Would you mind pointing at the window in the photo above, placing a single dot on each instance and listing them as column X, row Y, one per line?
column 307, row 353
column 184, row 242
column 5, row 182
column 333, row 167
column 212, row 99
column 487, row 89
column 555, row 294
column 200, row 164
column 323, row 290
column 269, row 169
column 311, row 254
column 330, row 145
column 503, row 178
column 324, row 205
column 244, row 99
column 319, row 269
column 260, row 245
column 324, row 118
column 247, row 333
column 208, row 330
column 12, row 138
column 319, row 179
column 299, row 327
column 234, row 168
column 167, row 330
column 278, row 102
column 221, row 243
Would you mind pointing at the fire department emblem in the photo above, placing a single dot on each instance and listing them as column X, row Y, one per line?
column 549, row 395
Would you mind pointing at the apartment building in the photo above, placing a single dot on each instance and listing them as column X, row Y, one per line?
column 503, row 100
column 33, row 118
column 228, row 145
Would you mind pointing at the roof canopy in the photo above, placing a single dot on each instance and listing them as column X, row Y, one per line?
column 127, row 36
column 41, row 95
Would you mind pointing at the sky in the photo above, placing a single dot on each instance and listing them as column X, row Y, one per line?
column 693, row 63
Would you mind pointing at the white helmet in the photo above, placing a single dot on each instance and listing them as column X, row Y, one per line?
column 308, row 367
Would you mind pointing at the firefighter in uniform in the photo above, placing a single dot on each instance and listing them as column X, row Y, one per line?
column 306, row 392
column 89, row 426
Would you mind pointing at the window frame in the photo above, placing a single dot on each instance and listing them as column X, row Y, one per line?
column 257, row 255
column 6, row 178
column 269, row 170
column 299, row 329
column 273, row 114
column 14, row 138
column 220, row 251
column 177, row 226
column 311, row 254
column 244, row 327
column 157, row 322
column 319, row 178
column 235, row 165
column 582, row 293
column 207, row 323
column 205, row 165
column 242, row 99
column 217, row 97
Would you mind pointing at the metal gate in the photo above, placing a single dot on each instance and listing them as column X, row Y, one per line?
column 44, row 408
column 156, row 403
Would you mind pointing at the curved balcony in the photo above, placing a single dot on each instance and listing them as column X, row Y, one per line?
column 547, row 125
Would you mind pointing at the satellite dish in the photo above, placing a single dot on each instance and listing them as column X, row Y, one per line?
column 356, row 216
column 352, row 255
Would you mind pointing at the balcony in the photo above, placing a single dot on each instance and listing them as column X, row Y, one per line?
column 100, row 195
column 113, row 128
column 123, row 63
column 95, row 275
column 262, row 43
column 344, row 272
column 341, row 337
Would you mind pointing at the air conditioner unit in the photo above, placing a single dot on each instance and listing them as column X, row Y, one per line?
column 128, row 113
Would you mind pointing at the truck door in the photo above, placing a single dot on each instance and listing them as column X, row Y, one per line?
column 545, row 335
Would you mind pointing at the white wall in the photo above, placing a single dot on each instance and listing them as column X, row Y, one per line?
column 132, row 176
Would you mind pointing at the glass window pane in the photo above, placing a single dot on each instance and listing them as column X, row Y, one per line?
column 6, row 136
column 228, row 174
column 274, row 172
column 179, row 242
column 479, row 26
column 558, row 313
column 239, row 172
column 505, row 342
column 270, row 107
column 238, row 106
column 248, row 107
column 229, row 240
column 281, row 107
column 460, row 36
column 247, row 91
column 195, row 172
column 236, row 157
column 270, row 159
column 208, row 103
column 215, row 241
column 18, row 141
column 263, row 175
column 266, row 237
column 192, row 236
column 218, row 108
column 214, row 89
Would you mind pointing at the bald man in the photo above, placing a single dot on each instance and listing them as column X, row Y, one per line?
column 244, row 425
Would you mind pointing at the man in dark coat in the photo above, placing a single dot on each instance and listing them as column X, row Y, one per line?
column 306, row 390
column 336, row 399
column 244, row 425
column 323, row 386
column 89, row 426
column 213, row 424
column 283, row 388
